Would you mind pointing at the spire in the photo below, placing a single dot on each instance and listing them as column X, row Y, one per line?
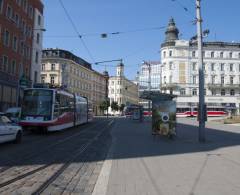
column 172, row 31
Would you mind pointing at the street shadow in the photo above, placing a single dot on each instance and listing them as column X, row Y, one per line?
column 128, row 139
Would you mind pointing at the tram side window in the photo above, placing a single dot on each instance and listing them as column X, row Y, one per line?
column 56, row 106
column 66, row 104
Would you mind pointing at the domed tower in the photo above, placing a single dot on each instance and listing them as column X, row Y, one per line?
column 172, row 31
column 120, row 70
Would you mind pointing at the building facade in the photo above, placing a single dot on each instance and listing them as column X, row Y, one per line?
column 38, row 30
column 16, row 41
column 122, row 90
column 150, row 70
column 179, row 59
column 62, row 68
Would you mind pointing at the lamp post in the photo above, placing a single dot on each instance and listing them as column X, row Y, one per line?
column 201, row 110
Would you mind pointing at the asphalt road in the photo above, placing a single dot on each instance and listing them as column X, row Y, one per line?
column 66, row 162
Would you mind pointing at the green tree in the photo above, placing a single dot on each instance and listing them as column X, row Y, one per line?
column 121, row 107
column 114, row 106
column 104, row 105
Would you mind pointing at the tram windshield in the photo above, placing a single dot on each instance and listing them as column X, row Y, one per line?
column 37, row 102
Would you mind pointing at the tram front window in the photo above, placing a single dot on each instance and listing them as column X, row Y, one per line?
column 37, row 103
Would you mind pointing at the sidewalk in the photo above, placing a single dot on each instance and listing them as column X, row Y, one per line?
column 139, row 164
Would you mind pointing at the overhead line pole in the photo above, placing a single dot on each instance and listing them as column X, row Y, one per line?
column 201, row 110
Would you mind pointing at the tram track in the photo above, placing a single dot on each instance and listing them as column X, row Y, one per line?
column 65, row 165
column 37, row 153
column 45, row 185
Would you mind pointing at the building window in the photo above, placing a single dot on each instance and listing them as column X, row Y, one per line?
column 230, row 55
column 239, row 55
column 212, row 67
column 194, row 66
column 43, row 67
column 231, row 67
column 232, row 92
column 38, row 38
column 194, row 92
column 221, row 55
column 204, row 67
column 214, row 92
column 6, row 38
column 164, row 54
column 170, row 53
column 13, row 69
column 182, row 92
column 36, row 57
column 231, row 80
column 52, row 67
column 52, row 79
column 42, row 79
column 39, row 20
column 35, row 76
column 170, row 65
column 9, row 12
column 1, row 5
column 194, row 79
column 223, row 92
column 213, row 79
column 15, row 43
column 222, row 79
column 212, row 54
column 193, row 54
column 222, row 67
column 5, row 63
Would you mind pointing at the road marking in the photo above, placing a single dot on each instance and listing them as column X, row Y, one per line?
column 103, row 178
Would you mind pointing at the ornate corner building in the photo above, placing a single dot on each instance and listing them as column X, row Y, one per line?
column 179, row 74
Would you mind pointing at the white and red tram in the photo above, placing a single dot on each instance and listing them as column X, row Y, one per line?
column 192, row 111
column 53, row 109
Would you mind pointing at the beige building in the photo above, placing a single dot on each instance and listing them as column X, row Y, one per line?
column 122, row 90
column 99, row 90
column 60, row 67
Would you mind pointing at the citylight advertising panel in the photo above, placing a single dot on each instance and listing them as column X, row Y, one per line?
column 164, row 117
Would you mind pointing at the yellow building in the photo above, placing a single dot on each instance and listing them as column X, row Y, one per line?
column 60, row 67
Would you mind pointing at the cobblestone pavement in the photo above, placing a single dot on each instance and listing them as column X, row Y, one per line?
column 67, row 162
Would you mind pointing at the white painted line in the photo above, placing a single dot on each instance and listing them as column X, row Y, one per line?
column 103, row 178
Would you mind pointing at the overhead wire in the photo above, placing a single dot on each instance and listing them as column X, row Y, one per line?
column 76, row 30
column 186, row 9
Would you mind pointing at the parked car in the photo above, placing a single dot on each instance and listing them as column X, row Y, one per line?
column 9, row 131
column 13, row 114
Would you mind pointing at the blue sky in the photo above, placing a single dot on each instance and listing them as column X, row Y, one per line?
column 102, row 16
